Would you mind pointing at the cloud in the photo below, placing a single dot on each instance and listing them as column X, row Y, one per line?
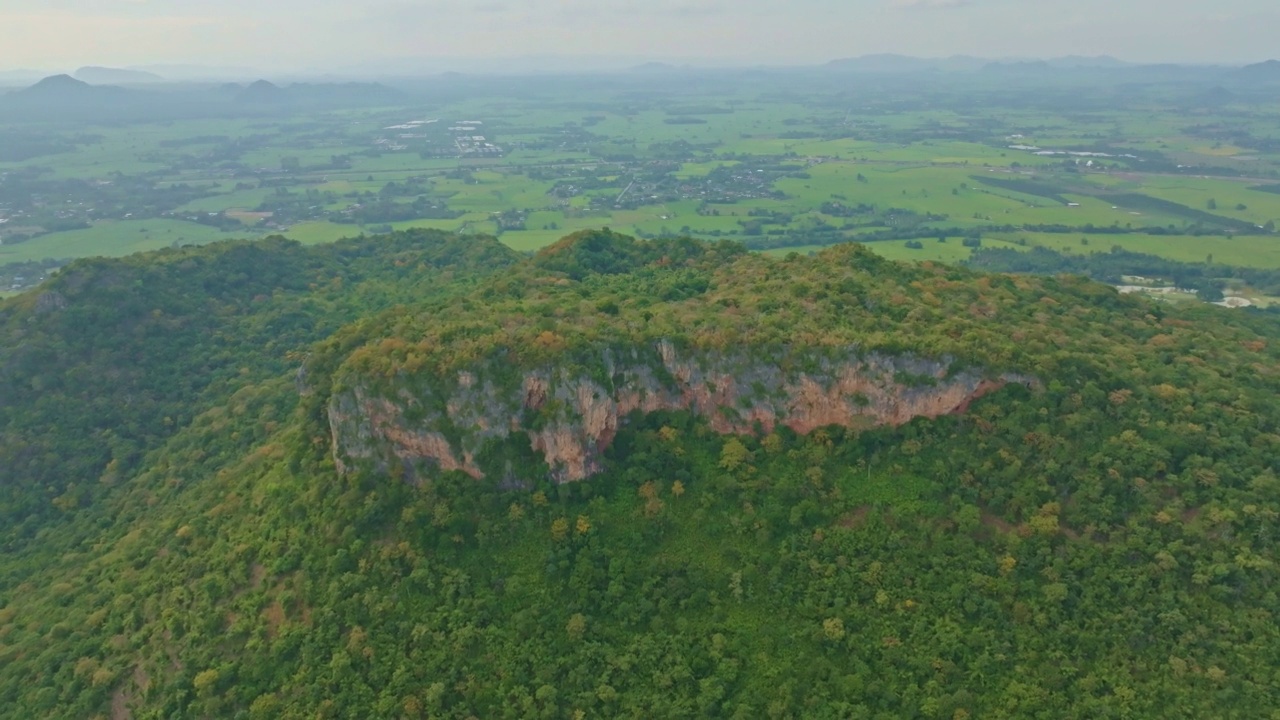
column 341, row 33
column 548, row 9
column 68, row 39
column 931, row 4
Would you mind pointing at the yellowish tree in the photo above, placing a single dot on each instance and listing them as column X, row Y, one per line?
column 734, row 455
column 576, row 626
column 559, row 529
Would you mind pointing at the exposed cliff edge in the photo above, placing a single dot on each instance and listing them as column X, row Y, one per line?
column 571, row 413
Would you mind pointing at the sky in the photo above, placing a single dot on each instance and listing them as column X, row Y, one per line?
column 337, row 35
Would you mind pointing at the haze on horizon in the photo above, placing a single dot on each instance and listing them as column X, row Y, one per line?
column 332, row 35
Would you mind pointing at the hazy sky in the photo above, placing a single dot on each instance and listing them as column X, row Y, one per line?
column 335, row 34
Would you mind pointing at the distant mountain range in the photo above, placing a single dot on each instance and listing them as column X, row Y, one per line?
column 878, row 64
column 60, row 88
column 889, row 63
column 1102, row 66
column 261, row 91
column 115, row 76
column 64, row 97
column 1269, row 70
column 198, row 73
column 121, row 94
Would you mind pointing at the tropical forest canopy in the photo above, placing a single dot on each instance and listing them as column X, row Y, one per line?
column 178, row 540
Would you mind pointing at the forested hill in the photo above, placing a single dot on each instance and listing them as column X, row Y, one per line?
column 111, row 357
column 420, row 476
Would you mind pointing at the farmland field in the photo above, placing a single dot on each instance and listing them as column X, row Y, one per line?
column 780, row 164
column 112, row 239
column 1247, row 251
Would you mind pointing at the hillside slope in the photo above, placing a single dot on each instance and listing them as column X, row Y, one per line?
column 809, row 487
column 112, row 356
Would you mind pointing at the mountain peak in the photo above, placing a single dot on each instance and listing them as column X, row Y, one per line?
column 58, row 82
column 1264, row 66
column 96, row 75
column 262, row 91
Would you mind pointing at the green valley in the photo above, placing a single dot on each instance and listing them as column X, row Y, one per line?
column 1181, row 166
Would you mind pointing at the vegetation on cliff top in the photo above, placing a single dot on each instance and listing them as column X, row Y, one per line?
column 111, row 357
column 1101, row 548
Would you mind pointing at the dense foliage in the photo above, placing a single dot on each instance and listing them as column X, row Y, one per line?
column 111, row 357
column 1101, row 547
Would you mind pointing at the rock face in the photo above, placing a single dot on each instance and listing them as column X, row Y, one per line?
column 571, row 417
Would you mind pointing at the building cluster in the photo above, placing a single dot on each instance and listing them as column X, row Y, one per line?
column 639, row 187
column 464, row 138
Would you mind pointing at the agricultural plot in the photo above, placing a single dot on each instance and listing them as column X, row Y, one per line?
column 234, row 200
column 780, row 164
column 949, row 252
column 1242, row 251
column 113, row 239
column 315, row 233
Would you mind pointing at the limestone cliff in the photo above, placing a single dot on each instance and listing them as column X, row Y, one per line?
column 570, row 413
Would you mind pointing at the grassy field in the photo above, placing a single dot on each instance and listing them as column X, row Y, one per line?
column 1251, row 251
column 113, row 239
column 314, row 233
column 530, row 240
column 949, row 252
column 318, row 232
column 237, row 199
column 1227, row 196
column 802, row 250
column 1260, row 252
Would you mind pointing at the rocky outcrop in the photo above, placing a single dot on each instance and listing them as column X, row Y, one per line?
column 49, row 302
column 570, row 417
